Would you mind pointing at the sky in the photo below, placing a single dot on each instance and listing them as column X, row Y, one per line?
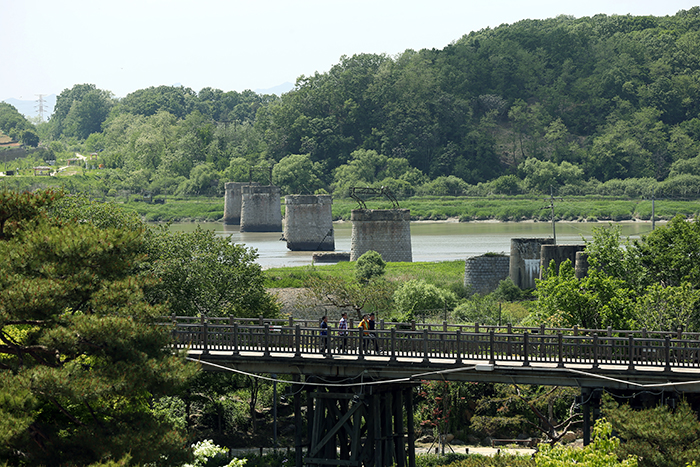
column 121, row 46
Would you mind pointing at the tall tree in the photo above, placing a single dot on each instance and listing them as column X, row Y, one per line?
column 80, row 111
column 80, row 358
column 202, row 274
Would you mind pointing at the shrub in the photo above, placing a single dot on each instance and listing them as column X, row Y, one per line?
column 507, row 291
column 600, row 453
column 369, row 266
column 208, row 454
column 417, row 295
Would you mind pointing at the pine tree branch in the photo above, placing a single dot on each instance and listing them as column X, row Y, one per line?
column 94, row 416
column 33, row 322
column 65, row 412
column 39, row 352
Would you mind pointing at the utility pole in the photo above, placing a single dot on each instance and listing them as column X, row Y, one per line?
column 551, row 206
column 40, row 106
column 653, row 218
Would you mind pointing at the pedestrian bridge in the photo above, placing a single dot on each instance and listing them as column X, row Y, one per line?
column 585, row 358
column 359, row 386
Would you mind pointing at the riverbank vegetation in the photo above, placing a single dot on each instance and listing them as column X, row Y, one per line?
column 594, row 106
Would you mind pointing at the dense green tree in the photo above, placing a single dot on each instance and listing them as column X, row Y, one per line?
column 80, row 111
column 670, row 255
column 617, row 97
column 645, row 434
column 176, row 100
column 203, row 180
column 13, row 123
column 444, row 186
column 541, row 176
column 296, row 174
column 631, row 146
column 689, row 166
column 29, row 138
column 652, row 282
column 80, row 358
column 201, row 274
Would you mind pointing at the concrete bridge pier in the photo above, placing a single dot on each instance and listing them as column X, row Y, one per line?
column 357, row 425
column 261, row 210
column 232, row 202
column 308, row 223
column 525, row 260
column 386, row 231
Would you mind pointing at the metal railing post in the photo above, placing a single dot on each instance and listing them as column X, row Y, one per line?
column 267, row 341
column 393, row 345
column 595, row 350
column 205, row 336
column 492, row 347
column 543, row 343
column 297, row 340
column 235, row 339
column 509, row 347
column 631, row 353
column 425, row 346
column 526, row 350
column 458, row 345
column 560, row 344
column 667, row 353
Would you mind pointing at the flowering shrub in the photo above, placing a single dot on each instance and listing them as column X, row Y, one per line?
column 208, row 454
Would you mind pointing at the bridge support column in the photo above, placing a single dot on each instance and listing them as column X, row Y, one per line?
column 296, row 390
column 365, row 427
column 590, row 400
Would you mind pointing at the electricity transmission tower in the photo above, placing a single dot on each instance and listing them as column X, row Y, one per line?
column 41, row 106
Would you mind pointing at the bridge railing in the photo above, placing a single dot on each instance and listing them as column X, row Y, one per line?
column 519, row 345
column 679, row 333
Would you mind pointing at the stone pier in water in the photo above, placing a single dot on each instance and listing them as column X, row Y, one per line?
column 308, row 223
column 386, row 231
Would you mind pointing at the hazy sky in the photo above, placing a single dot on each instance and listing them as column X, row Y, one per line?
column 47, row 46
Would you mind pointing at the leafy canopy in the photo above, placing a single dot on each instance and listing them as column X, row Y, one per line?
column 80, row 357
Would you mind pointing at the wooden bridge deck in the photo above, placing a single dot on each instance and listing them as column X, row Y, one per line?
column 566, row 357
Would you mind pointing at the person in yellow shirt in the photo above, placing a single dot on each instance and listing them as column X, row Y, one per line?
column 364, row 325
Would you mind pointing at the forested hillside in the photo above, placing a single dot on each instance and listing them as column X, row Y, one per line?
column 596, row 105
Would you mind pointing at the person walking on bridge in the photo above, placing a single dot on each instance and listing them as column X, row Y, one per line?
column 324, row 334
column 343, row 332
column 373, row 335
column 364, row 325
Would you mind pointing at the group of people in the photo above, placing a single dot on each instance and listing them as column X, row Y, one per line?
column 367, row 324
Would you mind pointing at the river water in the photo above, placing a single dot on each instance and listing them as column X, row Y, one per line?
column 430, row 241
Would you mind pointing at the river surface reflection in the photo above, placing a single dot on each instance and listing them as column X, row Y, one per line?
column 430, row 241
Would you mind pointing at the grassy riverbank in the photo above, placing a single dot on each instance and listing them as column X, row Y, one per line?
column 444, row 274
column 510, row 209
